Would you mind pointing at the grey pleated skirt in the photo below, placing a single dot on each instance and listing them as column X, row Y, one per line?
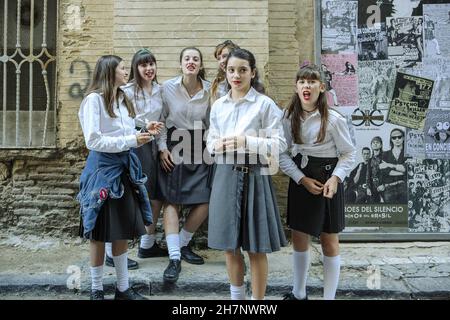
column 149, row 156
column 256, row 229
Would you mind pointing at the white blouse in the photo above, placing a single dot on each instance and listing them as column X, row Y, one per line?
column 180, row 110
column 148, row 106
column 255, row 116
column 103, row 133
column 337, row 143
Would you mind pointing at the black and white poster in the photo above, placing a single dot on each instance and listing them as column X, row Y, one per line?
column 410, row 101
column 339, row 26
column 437, row 30
column 437, row 134
column 372, row 43
column 415, row 143
column 375, row 190
column 376, row 84
column 429, row 195
column 405, row 40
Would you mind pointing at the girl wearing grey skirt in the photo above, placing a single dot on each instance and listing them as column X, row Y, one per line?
column 183, row 174
column 245, row 129
column 323, row 154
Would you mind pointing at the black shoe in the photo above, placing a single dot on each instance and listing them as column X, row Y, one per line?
column 128, row 294
column 290, row 296
column 172, row 271
column 190, row 257
column 154, row 251
column 132, row 264
column 97, row 295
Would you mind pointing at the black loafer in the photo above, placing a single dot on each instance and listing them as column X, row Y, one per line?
column 153, row 252
column 128, row 294
column 172, row 271
column 97, row 295
column 290, row 296
column 190, row 257
column 132, row 264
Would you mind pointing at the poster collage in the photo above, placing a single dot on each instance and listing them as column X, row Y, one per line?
column 387, row 68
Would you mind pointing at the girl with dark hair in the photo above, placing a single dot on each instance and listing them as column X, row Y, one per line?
column 245, row 130
column 114, row 204
column 322, row 156
column 183, row 173
column 220, row 86
column 144, row 92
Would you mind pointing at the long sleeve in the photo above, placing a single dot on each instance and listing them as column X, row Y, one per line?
column 90, row 119
column 213, row 131
column 273, row 141
column 345, row 148
column 287, row 165
column 162, row 138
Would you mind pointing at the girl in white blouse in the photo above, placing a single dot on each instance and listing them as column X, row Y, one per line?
column 322, row 155
column 145, row 92
column 245, row 129
column 107, row 121
column 183, row 175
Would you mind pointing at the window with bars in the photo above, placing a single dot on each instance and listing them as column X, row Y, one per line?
column 28, row 73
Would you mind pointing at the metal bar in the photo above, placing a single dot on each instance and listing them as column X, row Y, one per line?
column 5, row 54
column 18, row 49
column 30, row 57
column 44, row 74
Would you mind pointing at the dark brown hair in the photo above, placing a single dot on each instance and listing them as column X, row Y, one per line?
column 140, row 57
column 294, row 109
column 248, row 56
column 103, row 82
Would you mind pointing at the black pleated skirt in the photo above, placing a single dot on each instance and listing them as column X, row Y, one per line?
column 188, row 183
column 118, row 219
column 149, row 157
column 314, row 214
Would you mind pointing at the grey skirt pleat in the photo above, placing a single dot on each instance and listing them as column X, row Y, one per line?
column 263, row 228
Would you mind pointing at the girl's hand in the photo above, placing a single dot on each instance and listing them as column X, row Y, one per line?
column 166, row 160
column 143, row 138
column 154, row 127
column 330, row 187
column 230, row 144
column 312, row 185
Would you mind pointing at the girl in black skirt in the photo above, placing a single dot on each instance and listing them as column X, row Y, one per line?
column 321, row 155
column 111, row 208
column 183, row 173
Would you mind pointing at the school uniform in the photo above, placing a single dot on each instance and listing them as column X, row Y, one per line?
column 222, row 88
column 243, row 210
column 112, row 175
column 308, row 213
column 148, row 108
column 186, row 120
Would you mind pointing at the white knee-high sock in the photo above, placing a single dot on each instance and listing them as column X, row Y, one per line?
column 97, row 278
column 331, row 270
column 237, row 293
column 185, row 237
column 108, row 249
column 121, row 266
column 301, row 261
column 147, row 241
column 173, row 246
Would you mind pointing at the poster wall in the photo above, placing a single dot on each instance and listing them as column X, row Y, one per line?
column 397, row 101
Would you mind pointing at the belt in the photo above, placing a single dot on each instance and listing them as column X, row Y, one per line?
column 243, row 169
